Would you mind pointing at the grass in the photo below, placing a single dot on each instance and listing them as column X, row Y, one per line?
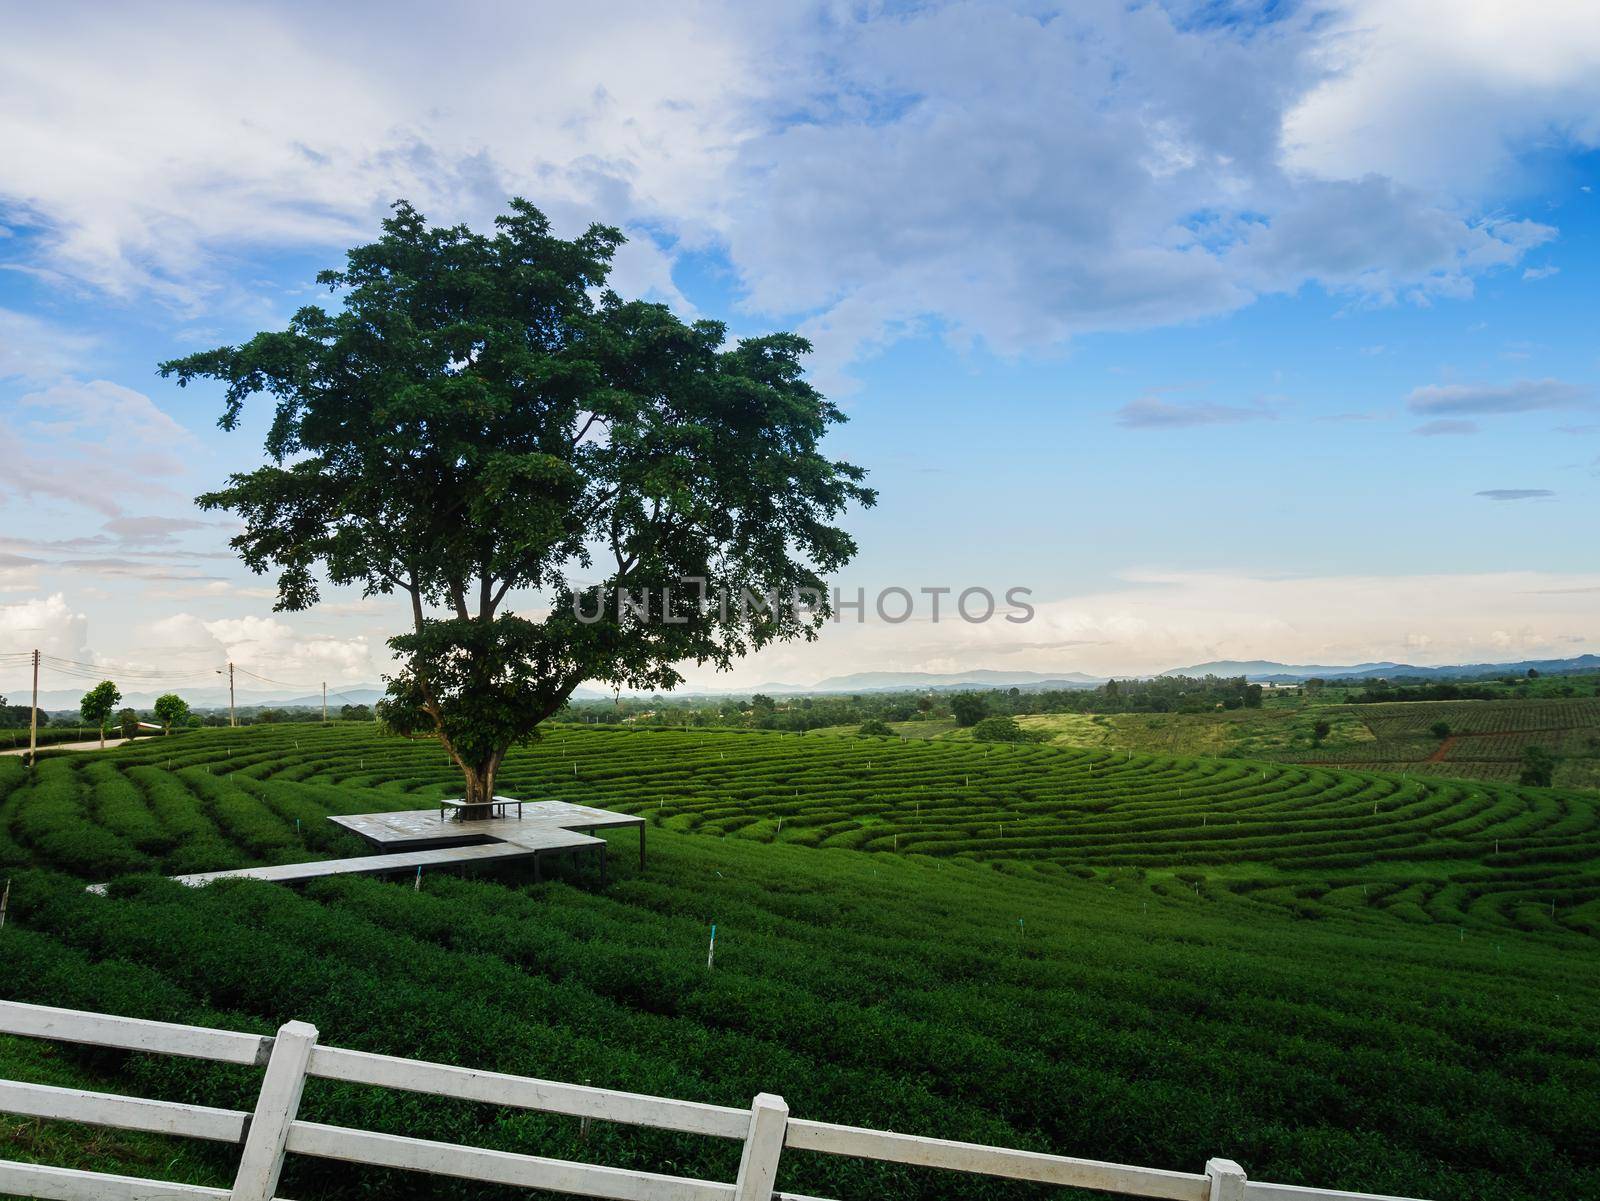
column 1154, row 959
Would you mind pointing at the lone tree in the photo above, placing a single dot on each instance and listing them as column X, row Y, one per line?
column 968, row 708
column 171, row 710
column 1538, row 767
column 484, row 419
column 97, row 706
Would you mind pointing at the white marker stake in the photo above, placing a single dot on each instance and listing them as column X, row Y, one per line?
column 5, row 901
column 416, row 885
column 711, row 951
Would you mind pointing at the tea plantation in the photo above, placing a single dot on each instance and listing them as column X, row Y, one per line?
column 1341, row 979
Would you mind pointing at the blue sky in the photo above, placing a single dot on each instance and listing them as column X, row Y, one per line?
column 1228, row 330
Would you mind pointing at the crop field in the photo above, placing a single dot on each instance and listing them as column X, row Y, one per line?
column 1486, row 741
column 1338, row 978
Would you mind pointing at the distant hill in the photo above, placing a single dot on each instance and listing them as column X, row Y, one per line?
column 1264, row 671
column 902, row 681
column 211, row 697
column 1261, row 671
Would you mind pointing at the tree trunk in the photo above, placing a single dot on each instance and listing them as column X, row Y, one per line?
column 480, row 790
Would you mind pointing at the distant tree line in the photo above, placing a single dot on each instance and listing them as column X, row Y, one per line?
column 1167, row 694
column 1380, row 692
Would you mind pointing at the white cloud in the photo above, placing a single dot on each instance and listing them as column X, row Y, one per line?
column 95, row 444
column 271, row 647
column 33, row 350
column 1520, row 396
column 100, row 410
column 1446, row 96
column 1165, row 619
column 265, row 646
column 45, row 623
column 1152, row 412
column 1509, row 494
column 967, row 168
column 152, row 140
column 151, row 531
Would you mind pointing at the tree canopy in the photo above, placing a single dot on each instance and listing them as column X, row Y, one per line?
column 968, row 708
column 484, row 421
column 171, row 710
column 98, row 704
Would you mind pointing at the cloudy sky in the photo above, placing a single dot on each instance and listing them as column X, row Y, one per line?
column 1229, row 330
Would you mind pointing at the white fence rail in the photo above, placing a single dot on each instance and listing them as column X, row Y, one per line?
column 274, row 1129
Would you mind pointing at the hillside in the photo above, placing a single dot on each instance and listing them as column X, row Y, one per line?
column 1486, row 739
column 1132, row 957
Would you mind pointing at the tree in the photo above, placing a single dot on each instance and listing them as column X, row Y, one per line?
column 128, row 723
column 483, row 419
column 1440, row 730
column 968, row 708
column 355, row 713
column 171, row 710
column 1321, row 730
column 1538, row 767
column 874, row 728
column 999, row 729
column 97, row 706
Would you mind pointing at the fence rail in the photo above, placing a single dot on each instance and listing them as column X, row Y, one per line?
column 293, row 1055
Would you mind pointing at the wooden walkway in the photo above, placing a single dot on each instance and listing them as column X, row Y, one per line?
column 435, row 841
column 399, row 862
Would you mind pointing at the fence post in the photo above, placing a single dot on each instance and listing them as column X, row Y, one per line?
column 758, row 1166
column 276, row 1106
column 1227, row 1180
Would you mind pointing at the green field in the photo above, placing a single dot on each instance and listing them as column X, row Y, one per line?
column 1338, row 978
column 1486, row 742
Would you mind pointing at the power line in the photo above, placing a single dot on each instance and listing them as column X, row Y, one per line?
column 269, row 680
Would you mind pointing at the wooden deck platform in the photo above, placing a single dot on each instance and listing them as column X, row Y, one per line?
column 420, row 838
column 419, row 828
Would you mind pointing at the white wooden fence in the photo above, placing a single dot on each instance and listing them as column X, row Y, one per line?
column 275, row 1128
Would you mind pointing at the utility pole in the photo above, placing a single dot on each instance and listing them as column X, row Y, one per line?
column 324, row 700
column 33, row 721
column 231, row 722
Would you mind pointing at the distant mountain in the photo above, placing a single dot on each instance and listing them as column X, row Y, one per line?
column 360, row 694
column 1267, row 669
column 1264, row 671
column 904, row 681
column 58, row 700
